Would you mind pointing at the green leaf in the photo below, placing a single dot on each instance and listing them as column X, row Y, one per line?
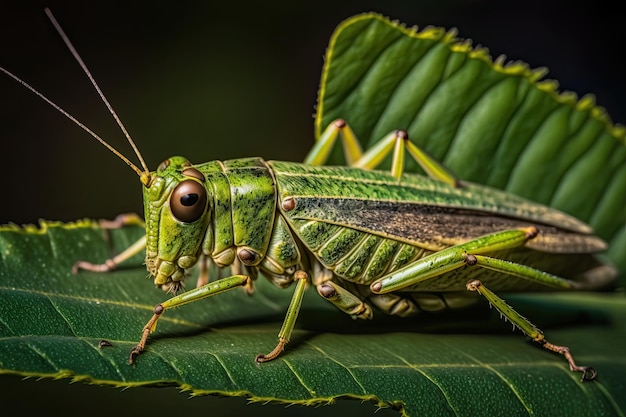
column 52, row 323
column 493, row 123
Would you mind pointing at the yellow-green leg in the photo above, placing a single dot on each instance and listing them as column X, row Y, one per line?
column 132, row 250
column 290, row 318
column 397, row 142
column 530, row 329
column 207, row 290
column 320, row 152
column 470, row 253
column 345, row 300
column 457, row 256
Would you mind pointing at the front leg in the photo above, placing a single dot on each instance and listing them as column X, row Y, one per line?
column 212, row 288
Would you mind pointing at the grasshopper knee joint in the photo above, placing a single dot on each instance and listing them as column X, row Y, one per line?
column 473, row 285
column 326, row 290
column 376, row 287
column 158, row 309
column 289, row 204
column 402, row 134
column 532, row 232
column 300, row 275
column 340, row 123
column 470, row 259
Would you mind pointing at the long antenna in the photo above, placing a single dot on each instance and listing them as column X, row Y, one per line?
column 80, row 61
column 81, row 125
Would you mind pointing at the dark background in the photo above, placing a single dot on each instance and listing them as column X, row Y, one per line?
column 217, row 82
column 228, row 80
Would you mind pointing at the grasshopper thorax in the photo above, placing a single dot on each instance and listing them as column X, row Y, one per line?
column 177, row 215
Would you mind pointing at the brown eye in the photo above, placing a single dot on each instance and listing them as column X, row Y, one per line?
column 188, row 201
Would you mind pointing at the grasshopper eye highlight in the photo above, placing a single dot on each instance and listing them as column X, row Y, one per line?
column 188, row 201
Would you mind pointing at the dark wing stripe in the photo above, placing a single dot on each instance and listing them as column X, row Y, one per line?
column 431, row 227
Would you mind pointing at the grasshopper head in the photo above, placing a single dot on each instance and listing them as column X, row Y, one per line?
column 177, row 215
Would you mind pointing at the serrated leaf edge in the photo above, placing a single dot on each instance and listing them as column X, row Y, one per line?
column 500, row 64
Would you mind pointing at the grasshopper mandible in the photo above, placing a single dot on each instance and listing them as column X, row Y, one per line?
column 364, row 238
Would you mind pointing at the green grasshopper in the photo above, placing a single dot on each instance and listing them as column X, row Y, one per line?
column 366, row 239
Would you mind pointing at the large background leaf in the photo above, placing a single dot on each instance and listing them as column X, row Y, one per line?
column 178, row 97
column 496, row 124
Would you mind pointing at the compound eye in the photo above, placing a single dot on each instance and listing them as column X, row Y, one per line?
column 188, row 201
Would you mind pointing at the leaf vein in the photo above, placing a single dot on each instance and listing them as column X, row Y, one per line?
column 6, row 324
column 223, row 365
column 490, row 368
column 399, row 84
column 347, row 368
column 429, row 378
column 580, row 160
column 51, row 295
column 62, row 315
column 517, row 168
column 169, row 363
column 373, row 62
column 311, row 391
column 43, row 356
column 512, row 117
column 605, row 392
column 459, row 136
